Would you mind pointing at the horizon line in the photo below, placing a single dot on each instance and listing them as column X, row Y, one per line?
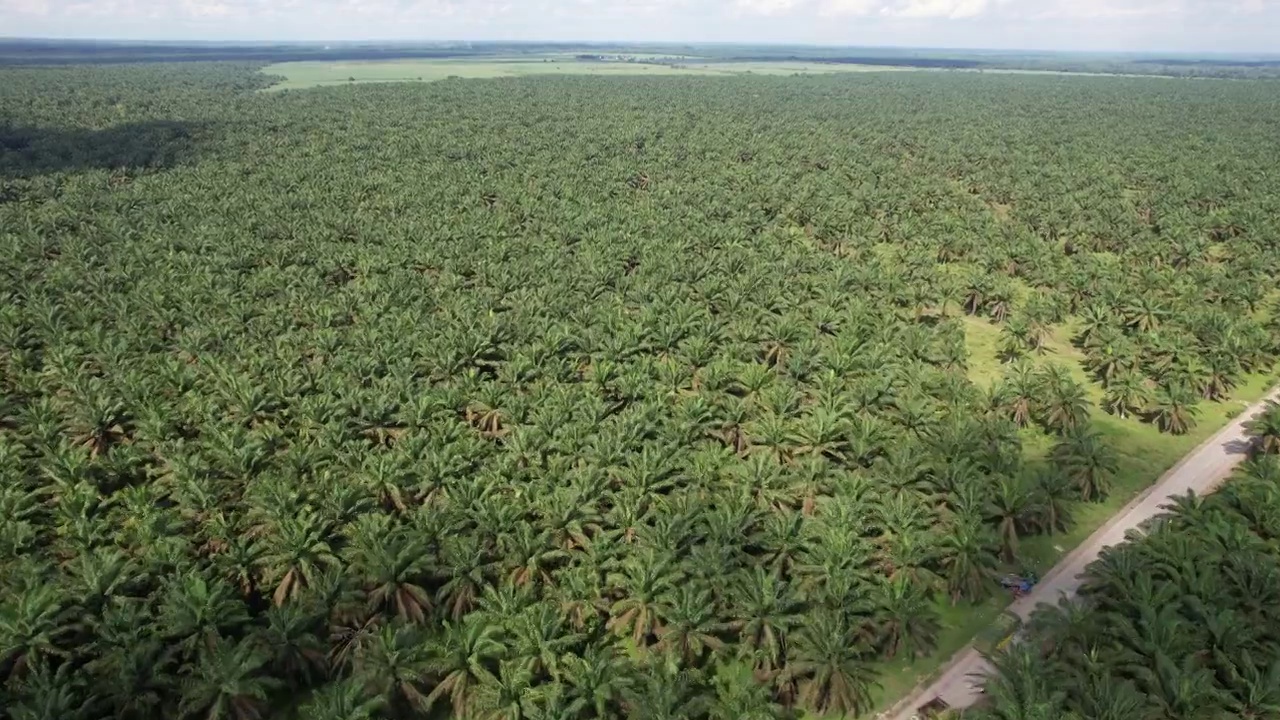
column 624, row 43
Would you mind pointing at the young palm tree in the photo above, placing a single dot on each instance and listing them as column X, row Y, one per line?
column 195, row 613
column 598, row 681
column 293, row 555
column 540, row 638
column 35, row 622
column 392, row 567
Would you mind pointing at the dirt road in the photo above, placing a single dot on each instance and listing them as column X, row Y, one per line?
column 959, row 685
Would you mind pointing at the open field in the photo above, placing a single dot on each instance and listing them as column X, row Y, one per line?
column 299, row 75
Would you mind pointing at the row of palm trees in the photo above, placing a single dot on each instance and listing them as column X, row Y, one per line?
column 1179, row 622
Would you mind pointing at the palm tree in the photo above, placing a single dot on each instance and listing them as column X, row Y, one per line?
column 466, row 656
column 1178, row 690
column 1175, row 410
column 228, row 681
column 1021, row 689
column 689, row 624
column 763, row 609
column 598, row 681
column 1126, row 394
column 829, row 667
column 505, row 695
column 392, row 566
column 1065, row 406
column 1106, row 697
column 1254, row 692
column 297, row 654
column 1055, row 496
column 195, row 613
column 293, row 555
column 1012, row 508
column 641, row 580
column 46, row 693
column 1088, row 461
column 667, row 693
column 539, row 636
column 1265, row 429
column 739, row 695
column 906, row 618
column 343, row 699
column 34, row 623
column 969, row 561
column 1016, row 394
column 392, row 664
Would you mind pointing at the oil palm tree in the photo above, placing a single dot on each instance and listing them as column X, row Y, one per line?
column 229, row 681
column 830, row 667
column 1065, row 406
column 1126, row 395
column 642, row 580
column 907, row 620
column 1174, row 410
column 1265, row 429
column 393, row 664
column 35, row 623
column 1086, row 458
column 689, row 626
column 968, row 561
column 763, row 610
column 465, row 657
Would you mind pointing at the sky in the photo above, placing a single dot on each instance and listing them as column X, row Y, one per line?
column 1245, row 26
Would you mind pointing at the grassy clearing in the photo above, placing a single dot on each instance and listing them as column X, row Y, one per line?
column 1144, row 454
column 300, row 75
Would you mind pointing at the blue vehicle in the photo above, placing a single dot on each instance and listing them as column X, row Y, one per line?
column 1018, row 584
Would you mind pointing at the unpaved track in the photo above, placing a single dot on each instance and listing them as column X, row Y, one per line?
column 960, row 684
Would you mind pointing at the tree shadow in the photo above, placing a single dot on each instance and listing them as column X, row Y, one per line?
column 1239, row 447
column 152, row 145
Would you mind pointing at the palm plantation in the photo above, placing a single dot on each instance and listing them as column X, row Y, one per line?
column 463, row 400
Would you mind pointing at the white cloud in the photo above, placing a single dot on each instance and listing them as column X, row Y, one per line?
column 953, row 9
column 766, row 7
column 855, row 8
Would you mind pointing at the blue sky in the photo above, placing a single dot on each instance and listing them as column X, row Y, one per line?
column 1140, row 25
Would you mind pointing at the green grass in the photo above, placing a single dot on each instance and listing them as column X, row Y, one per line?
column 1144, row 454
column 299, row 75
